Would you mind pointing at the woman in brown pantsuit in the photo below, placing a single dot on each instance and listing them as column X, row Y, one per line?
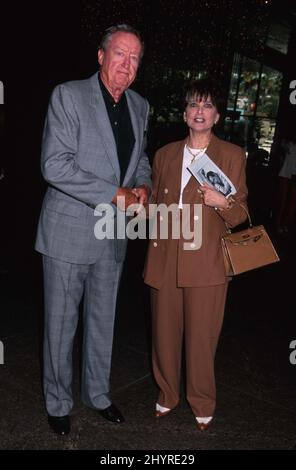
column 189, row 285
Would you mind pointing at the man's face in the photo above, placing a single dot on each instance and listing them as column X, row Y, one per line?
column 120, row 62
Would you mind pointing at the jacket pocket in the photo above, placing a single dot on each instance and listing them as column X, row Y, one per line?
column 59, row 206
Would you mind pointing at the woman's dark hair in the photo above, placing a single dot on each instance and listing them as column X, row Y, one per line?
column 202, row 89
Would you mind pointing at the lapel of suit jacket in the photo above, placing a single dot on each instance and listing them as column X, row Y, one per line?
column 175, row 162
column 104, row 127
column 213, row 150
column 135, row 118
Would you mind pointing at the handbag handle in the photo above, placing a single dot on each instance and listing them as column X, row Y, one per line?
column 249, row 218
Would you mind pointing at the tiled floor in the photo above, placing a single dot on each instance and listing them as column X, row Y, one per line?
column 256, row 383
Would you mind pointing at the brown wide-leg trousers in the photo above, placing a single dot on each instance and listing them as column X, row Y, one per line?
column 195, row 313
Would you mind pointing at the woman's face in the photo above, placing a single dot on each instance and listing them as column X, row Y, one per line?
column 201, row 115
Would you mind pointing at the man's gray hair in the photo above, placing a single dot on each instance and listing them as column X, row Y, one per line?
column 123, row 28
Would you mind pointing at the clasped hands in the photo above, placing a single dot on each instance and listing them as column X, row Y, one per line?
column 136, row 197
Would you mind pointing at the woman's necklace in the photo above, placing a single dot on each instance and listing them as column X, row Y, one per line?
column 199, row 152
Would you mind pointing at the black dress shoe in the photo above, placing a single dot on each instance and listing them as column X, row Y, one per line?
column 112, row 414
column 59, row 424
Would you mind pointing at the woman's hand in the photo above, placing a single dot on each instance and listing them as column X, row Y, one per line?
column 213, row 198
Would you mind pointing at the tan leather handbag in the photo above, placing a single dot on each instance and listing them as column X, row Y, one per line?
column 248, row 249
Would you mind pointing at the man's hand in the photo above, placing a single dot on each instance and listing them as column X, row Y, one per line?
column 142, row 192
column 124, row 198
column 136, row 197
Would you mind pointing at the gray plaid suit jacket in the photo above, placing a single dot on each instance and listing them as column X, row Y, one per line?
column 80, row 163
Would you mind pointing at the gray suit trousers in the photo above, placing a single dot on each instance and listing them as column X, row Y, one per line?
column 64, row 285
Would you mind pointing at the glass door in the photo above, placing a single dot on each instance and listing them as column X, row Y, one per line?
column 267, row 107
column 252, row 103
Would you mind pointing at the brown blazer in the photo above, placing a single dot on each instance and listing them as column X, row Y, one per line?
column 205, row 266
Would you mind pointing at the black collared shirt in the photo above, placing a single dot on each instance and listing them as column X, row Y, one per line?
column 121, row 124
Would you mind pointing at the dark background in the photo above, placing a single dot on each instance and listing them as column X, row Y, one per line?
column 43, row 44
column 46, row 43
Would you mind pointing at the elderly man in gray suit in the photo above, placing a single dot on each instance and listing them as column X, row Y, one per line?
column 93, row 153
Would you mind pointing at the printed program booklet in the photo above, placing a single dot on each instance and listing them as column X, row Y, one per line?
column 206, row 171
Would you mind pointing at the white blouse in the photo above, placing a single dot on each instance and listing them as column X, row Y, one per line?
column 186, row 175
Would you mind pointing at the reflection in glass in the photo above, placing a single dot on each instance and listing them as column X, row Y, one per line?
column 270, row 87
column 252, row 103
column 278, row 37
